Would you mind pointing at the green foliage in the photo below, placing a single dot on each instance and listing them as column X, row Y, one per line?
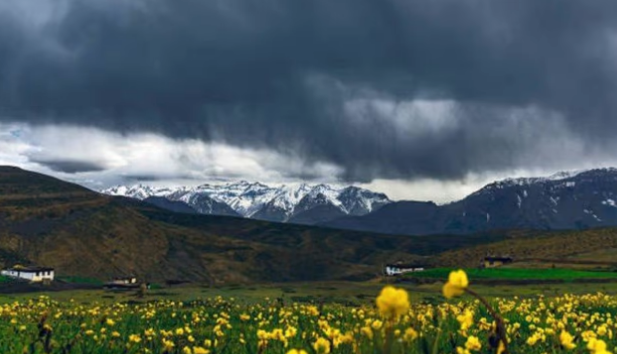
column 517, row 274
column 79, row 280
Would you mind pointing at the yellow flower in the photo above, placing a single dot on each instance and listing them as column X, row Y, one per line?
column 466, row 320
column 501, row 348
column 322, row 346
column 410, row 334
column 110, row 322
column 392, row 302
column 367, row 331
column 566, row 340
column 200, row 350
column 168, row 345
column 597, row 346
column 297, row 351
column 473, row 343
column 456, row 285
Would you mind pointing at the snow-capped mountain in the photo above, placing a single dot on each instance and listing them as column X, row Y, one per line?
column 567, row 200
column 301, row 203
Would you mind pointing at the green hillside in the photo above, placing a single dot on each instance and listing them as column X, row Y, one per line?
column 591, row 248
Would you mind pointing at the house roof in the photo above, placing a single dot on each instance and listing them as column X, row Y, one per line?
column 402, row 265
column 29, row 269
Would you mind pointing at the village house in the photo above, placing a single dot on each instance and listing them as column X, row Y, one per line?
column 399, row 268
column 128, row 282
column 492, row 262
column 33, row 274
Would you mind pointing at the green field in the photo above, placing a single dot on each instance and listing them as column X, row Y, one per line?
column 518, row 274
column 80, row 280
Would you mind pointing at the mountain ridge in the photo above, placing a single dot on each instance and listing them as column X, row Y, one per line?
column 256, row 200
column 579, row 200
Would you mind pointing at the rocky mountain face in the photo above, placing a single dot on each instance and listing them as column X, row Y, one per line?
column 563, row 201
column 304, row 204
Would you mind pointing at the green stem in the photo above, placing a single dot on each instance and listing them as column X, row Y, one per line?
column 501, row 328
column 437, row 337
column 387, row 347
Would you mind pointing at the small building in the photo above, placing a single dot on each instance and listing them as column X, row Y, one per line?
column 129, row 282
column 399, row 268
column 33, row 274
column 124, row 280
column 492, row 262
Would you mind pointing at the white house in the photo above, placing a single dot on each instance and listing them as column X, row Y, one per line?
column 34, row 274
column 396, row 269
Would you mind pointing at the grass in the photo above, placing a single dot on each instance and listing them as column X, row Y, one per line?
column 357, row 293
column 518, row 274
column 80, row 280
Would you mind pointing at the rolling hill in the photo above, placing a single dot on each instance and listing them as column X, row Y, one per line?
column 593, row 247
column 49, row 222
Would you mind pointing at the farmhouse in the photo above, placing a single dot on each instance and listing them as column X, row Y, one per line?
column 128, row 282
column 399, row 268
column 492, row 262
column 34, row 274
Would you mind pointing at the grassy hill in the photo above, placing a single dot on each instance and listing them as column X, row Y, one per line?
column 49, row 222
column 592, row 248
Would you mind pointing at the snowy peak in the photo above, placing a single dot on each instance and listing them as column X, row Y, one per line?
column 559, row 179
column 138, row 191
column 261, row 201
column 358, row 201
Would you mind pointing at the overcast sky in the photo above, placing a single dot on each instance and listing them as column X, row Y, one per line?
column 418, row 99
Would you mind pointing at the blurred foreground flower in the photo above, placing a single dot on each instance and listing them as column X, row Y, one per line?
column 393, row 303
column 456, row 285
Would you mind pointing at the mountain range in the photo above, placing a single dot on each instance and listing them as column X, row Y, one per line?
column 576, row 200
column 566, row 200
column 298, row 204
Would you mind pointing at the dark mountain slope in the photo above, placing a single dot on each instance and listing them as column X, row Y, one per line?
column 171, row 205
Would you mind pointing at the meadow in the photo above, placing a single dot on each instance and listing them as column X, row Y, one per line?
column 519, row 274
column 449, row 318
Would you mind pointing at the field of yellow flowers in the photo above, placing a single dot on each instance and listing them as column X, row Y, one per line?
column 464, row 323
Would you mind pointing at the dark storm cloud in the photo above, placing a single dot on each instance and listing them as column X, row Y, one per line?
column 304, row 76
column 69, row 166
